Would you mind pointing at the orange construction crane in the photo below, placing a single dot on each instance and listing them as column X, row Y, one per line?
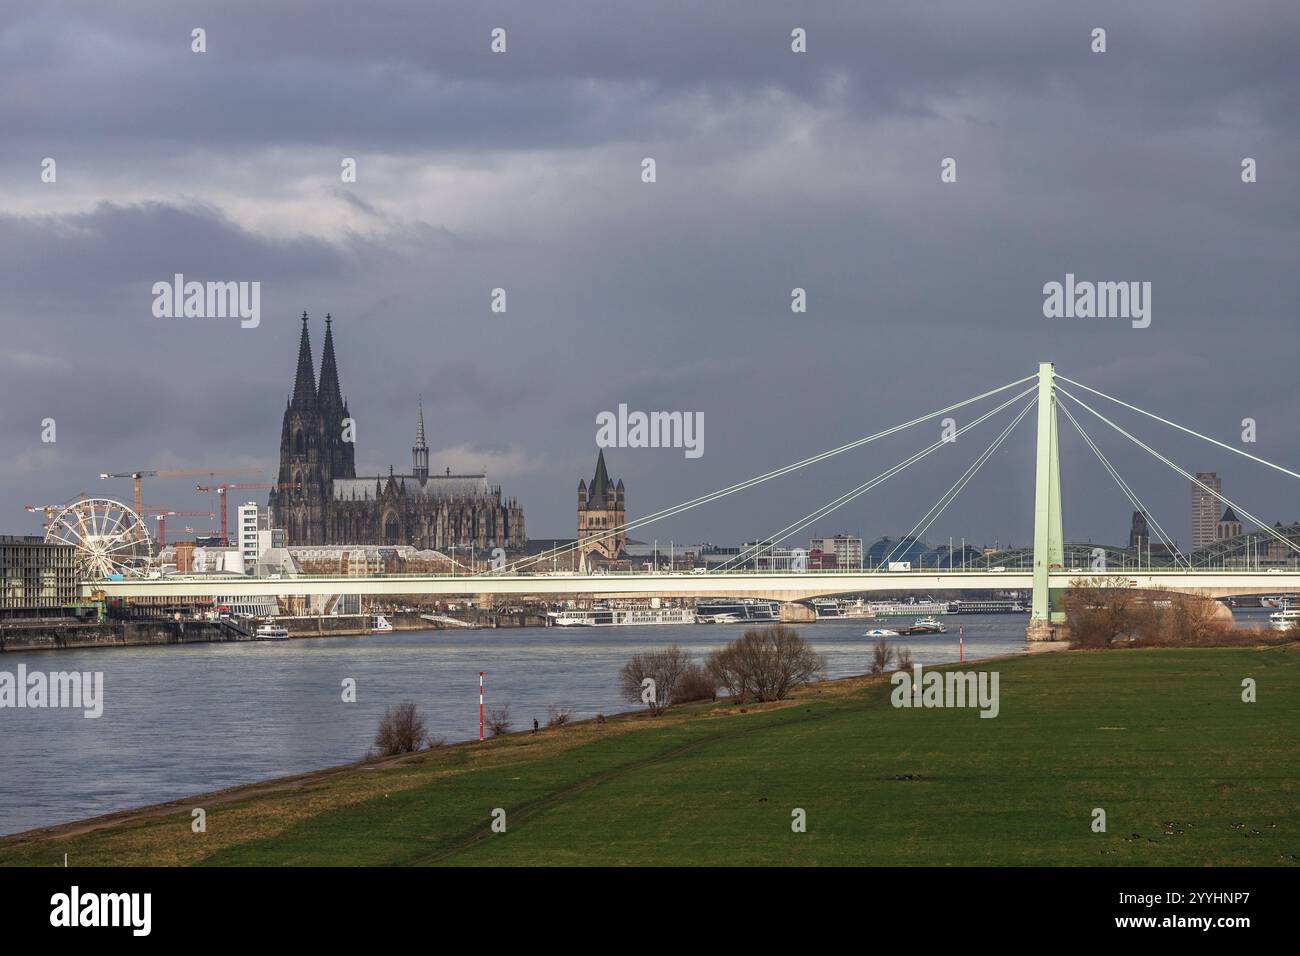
column 51, row 510
column 135, row 476
column 225, row 486
column 162, row 522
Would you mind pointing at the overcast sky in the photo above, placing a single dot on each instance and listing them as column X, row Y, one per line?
column 775, row 170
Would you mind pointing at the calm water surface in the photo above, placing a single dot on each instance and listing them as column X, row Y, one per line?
column 185, row 720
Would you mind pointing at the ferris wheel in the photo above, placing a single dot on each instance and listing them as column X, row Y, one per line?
column 109, row 538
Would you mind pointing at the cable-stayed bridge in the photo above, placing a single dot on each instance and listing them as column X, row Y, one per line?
column 1049, row 577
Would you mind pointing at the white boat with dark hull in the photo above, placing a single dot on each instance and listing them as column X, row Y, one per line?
column 924, row 625
column 270, row 631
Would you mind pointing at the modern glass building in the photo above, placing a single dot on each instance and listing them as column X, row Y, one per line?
column 35, row 575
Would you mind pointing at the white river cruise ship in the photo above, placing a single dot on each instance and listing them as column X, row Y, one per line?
column 621, row 615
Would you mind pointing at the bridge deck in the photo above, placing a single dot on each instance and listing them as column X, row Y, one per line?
column 782, row 586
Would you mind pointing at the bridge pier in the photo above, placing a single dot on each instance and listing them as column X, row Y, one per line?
column 1040, row 630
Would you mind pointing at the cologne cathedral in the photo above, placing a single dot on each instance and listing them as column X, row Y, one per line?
column 321, row 501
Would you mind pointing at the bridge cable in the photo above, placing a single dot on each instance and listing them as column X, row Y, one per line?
column 1196, row 481
column 918, row 530
column 1181, row 428
column 749, row 483
column 862, row 489
column 1125, row 487
column 856, row 493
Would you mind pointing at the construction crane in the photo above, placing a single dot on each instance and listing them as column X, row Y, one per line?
column 135, row 476
column 225, row 486
column 162, row 522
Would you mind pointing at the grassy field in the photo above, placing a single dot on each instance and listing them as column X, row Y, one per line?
column 1187, row 773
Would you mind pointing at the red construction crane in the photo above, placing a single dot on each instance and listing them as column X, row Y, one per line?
column 225, row 486
column 162, row 522
column 135, row 476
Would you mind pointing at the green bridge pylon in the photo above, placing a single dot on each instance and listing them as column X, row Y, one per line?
column 1047, row 615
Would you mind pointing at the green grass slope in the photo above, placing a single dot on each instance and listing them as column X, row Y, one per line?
column 1186, row 772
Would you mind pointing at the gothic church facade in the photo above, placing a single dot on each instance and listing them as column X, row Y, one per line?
column 320, row 500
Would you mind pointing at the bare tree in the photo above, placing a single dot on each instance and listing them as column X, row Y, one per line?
column 767, row 663
column 663, row 669
column 401, row 730
column 499, row 721
column 557, row 715
column 1101, row 612
column 903, row 659
column 726, row 670
column 697, row 683
column 882, row 655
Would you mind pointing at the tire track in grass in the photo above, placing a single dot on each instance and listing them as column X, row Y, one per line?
column 532, row 808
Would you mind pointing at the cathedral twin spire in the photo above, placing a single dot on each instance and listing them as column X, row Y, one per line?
column 320, row 410
column 305, row 391
column 328, row 393
column 304, row 385
column 327, row 397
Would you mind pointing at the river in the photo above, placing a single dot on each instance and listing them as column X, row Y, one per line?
column 183, row 720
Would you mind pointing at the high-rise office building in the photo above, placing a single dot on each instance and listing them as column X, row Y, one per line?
column 1205, row 508
column 247, row 535
column 847, row 549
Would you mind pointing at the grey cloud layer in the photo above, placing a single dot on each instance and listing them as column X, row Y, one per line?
column 775, row 170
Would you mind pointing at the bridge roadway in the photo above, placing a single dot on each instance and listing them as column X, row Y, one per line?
column 784, row 586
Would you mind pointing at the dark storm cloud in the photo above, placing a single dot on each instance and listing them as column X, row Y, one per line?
column 775, row 171
column 405, row 75
column 116, row 244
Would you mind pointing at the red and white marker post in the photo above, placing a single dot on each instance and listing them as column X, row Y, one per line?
column 480, row 705
column 961, row 642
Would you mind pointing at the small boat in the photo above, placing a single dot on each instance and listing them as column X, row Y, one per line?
column 881, row 632
column 271, row 632
column 925, row 625
column 718, row 619
column 1283, row 620
column 575, row 618
column 381, row 625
